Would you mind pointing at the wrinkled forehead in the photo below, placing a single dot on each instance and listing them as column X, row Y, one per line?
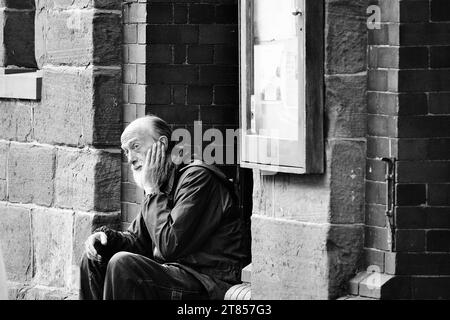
column 135, row 132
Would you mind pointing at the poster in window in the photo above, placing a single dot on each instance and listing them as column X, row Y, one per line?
column 276, row 74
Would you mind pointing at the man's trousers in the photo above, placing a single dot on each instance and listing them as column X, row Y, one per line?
column 129, row 276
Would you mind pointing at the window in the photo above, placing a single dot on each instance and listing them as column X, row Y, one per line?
column 19, row 77
column 281, row 72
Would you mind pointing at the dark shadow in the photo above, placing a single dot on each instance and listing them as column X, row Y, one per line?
column 19, row 34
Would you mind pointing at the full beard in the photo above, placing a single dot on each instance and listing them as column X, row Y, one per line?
column 138, row 178
column 163, row 175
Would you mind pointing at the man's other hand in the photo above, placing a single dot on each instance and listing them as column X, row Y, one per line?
column 89, row 245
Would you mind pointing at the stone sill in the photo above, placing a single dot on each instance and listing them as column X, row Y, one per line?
column 21, row 85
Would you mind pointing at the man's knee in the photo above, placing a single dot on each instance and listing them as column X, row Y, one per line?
column 132, row 266
column 84, row 263
column 121, row 260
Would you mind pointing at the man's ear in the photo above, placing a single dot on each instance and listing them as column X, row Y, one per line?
column 165, row 141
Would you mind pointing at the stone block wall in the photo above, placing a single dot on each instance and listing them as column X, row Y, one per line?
column 307, row 230
column 60, row 162
column 409, row 120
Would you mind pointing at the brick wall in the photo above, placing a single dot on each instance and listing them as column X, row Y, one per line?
column 135, row 91
column 409, row 119
column 59, row 157
column 181, row 63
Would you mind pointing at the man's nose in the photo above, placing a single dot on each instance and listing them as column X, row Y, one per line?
column 131, row 158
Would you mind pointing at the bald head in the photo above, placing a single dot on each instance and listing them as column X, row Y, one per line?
column 143, row 127
column 148, row 127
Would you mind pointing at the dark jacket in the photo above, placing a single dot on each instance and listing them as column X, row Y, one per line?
column 197, row 226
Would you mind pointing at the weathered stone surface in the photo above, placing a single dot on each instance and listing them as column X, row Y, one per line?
column 2, row 39
column 294, row 260
column 345, row 36
column 289, row 259
column 108, row 107
column 14, row 4
column 30, row 173
column 80, row 106
column 87, row 180
column 67, row 112
column 348, row 163
column 17, row 29
column 345, row 106
column 3, row 159
column 16, row 121
column 14, row 289
column 3, row 190
column 52, row 238
column 107, row 35
column 67, row 37
column 345, row 256
column 78, row 4
column 20, row 291
column 84, row 224
column 336, row 197
column 78, row 37
column 15, row 239
column 296, row 197
column 40, row 33
column 4, row 146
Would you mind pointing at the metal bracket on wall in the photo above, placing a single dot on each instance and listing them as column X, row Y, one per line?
column 390, row 198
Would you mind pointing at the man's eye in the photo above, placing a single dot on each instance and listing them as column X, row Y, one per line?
column 135, row 146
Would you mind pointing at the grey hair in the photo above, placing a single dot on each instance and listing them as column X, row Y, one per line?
column 160, row 128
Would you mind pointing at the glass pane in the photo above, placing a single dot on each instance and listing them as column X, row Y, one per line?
column 276, row 70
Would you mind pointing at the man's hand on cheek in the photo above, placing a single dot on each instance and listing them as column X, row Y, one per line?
column 154, row 174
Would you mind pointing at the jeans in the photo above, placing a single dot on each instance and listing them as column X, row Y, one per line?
column 132, row 276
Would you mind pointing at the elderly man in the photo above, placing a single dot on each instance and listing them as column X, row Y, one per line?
column 188, row 240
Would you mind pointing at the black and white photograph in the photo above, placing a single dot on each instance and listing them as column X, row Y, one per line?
column 224, row 157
